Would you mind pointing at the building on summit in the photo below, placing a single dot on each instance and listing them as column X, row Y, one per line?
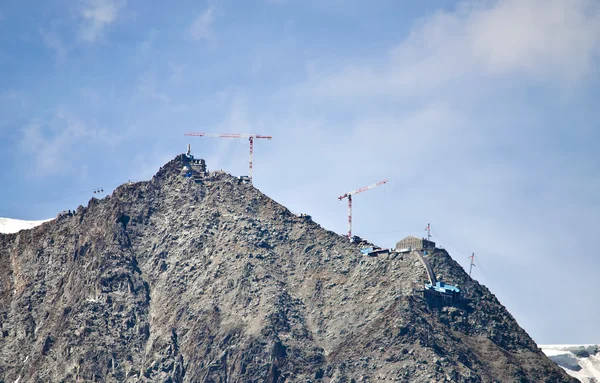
column 415, row 243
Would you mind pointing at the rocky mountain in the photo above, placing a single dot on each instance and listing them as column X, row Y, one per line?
column 579, row 361
column 173, row 280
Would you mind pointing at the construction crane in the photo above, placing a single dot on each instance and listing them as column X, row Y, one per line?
column 349, row 196
column 250, row 138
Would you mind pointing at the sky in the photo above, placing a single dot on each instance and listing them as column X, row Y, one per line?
column 483, row 115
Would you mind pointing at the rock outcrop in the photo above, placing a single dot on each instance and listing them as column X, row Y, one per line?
column 176, row 281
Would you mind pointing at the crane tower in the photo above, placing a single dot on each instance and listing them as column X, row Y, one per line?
column 250, row 138
column 349, row 196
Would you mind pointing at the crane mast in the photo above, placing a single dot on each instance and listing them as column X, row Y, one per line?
column 250, row 138
column 349, row 196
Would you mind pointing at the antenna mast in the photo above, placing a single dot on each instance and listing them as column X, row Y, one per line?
column 472, row 258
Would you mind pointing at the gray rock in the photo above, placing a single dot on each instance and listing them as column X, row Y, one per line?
column 176, row 281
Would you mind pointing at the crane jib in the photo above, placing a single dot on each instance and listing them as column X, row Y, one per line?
column 228, row 135
column 250, row 137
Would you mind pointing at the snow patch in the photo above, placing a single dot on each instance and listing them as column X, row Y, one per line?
column 579, row 361
column 9, row 225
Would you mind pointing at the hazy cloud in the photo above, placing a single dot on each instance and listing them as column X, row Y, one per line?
column 550, row 38
column 48, row 151
column 148, row 87
column 201, row 27
column 89, row 96
column 13, row 98
column 97, row 15
column 49, row 144
column 147, row 45
column 176, row 73
column 53, row 42
column 554, row 41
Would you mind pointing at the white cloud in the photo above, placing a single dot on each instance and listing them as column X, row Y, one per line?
column 537, row 37
column 201, row 27
column 97, row 15
column 552, row 41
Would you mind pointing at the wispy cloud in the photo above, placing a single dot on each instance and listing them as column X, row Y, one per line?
column 14, row 97
column 96, row 16
column 201, row 26
column 550, row 41
column 176, row 73
column 48, row 144
column 53, row 42
column 146, row 46
column 148, row 87
column 90, row 96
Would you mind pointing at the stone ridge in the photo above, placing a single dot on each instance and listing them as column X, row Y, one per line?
column 173, row 281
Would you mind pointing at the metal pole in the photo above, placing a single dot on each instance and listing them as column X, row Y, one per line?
column 251, row 145
column 350, row 216
column 428, row 228
column 472, row 264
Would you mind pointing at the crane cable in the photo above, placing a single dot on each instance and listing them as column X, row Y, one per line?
column 458, row 251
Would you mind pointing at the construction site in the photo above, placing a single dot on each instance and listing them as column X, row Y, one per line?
column 437, row 292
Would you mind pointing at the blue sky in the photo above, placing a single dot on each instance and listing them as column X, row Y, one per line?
column 483, row 115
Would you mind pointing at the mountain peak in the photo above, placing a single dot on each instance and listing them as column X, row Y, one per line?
column 201, row 277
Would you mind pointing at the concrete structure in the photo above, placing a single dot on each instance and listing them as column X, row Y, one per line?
column 193, row 168
column 415, row 243
column 198, row 165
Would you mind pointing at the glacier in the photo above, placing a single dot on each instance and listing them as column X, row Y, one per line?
column 579, row 361
column 9, row 225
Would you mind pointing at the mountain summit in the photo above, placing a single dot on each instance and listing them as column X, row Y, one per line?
column 202, row 278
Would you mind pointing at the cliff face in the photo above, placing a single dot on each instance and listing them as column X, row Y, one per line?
column 173, row 281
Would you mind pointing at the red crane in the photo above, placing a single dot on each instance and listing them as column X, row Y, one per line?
column 250, row 138
column 349, row 196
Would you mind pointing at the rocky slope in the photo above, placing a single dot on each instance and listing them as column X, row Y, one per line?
column 173, row 281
